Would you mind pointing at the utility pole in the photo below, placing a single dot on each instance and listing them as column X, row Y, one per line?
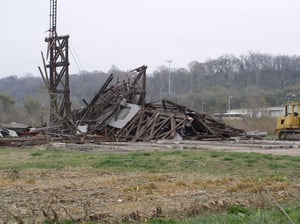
column 202, row 107
column 56, row 70
column 285, row 82
column 229, row 108
column 169, row 91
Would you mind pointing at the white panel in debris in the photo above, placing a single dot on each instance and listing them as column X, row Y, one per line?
column 12, row 133
column 82, row 129
column 125, row 115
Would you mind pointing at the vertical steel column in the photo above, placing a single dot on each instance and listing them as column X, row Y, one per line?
column 59, row 88
column 58, row 66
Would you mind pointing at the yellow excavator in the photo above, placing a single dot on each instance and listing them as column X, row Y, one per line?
column 288, row 126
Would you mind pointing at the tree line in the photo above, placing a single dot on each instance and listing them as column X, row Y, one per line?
column 253, row 80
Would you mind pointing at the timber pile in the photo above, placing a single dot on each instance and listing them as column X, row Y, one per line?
column 110, row 100
column 141, row 121
column 119, row 112
column 167, row 120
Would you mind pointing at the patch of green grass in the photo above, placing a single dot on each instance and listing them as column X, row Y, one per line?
column 238, row 210
column 215, row 155
column 251, row 160
column 228, row 159
column 206, row 162
column 242, row 155
column 131, row 162
column 238, row 215
column 188, row 164
column 268, row 157
column 295, row 159
column 36, row 153
column 162, row 221
column 276, row 166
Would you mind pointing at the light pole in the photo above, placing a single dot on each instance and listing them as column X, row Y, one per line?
column 169, row 61
column 285, row 82
column 202, row 104
column 229, row 97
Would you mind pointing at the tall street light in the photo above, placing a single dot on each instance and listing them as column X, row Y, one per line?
column 202, row 106
column 285, row 82
column 169, row 61
column 229, row 98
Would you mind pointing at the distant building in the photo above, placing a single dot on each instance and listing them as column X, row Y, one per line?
column 260, row 112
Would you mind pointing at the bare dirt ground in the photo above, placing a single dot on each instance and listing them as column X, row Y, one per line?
column 81, row 195
column 274, row 147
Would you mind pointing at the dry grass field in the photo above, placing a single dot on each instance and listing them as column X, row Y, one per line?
column 42, row 184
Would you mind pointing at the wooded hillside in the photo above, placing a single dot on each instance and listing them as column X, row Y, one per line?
column 254, row 80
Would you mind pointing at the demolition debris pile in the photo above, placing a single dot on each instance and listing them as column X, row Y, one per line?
column 119, row 113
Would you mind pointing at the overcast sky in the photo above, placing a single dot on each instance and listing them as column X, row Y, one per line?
column 131, row 33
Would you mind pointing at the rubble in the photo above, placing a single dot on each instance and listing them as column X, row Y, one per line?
column 166, row 120
column 119, row 112
column 13, row 129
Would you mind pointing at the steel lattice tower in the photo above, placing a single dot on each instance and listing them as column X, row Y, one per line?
column 56, row 70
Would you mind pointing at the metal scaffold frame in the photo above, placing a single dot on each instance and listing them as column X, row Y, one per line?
column 56, row 70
